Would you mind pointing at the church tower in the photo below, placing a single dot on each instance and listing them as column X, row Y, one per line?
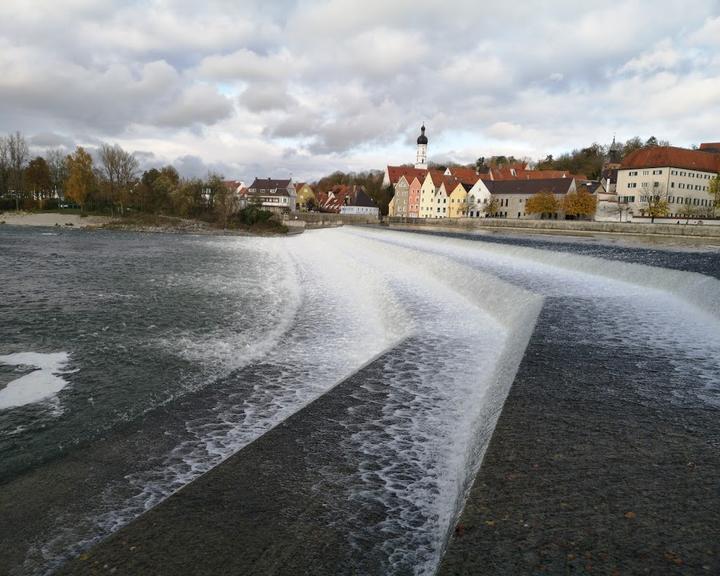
column 421, row 156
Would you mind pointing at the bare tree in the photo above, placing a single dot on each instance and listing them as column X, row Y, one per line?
column 120, row 170
column 18, row 154
column 4, row 166
column 58, row 172
column 655, row 200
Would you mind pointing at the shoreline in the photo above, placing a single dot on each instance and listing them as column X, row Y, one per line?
column 171, row 225
column 643, row 239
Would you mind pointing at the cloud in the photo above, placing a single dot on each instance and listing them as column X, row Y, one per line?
column 312, row 86
column 262, row 98
column 662, row 57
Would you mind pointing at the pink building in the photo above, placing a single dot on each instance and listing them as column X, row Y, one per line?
column 414, row 198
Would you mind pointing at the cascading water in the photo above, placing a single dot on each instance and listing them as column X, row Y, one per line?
column 452, row 316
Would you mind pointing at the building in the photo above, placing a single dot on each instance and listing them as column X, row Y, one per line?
column 399, row 205
column 358, row 203
column 512, row 195
column 421, row 153
column 478, row 194
column 272, row 194
column 305, row 196
column 414, row 198
column 433, row 204
column 678, row 176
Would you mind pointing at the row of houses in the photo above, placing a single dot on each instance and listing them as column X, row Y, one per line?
column 662, row 180
column 463, row 193
column 284, row 196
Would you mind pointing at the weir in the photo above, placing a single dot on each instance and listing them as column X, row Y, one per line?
column 369, row 475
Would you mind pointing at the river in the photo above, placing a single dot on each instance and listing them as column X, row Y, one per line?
column 131, row 364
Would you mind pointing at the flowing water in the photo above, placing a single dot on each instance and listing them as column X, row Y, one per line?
column 162, row 356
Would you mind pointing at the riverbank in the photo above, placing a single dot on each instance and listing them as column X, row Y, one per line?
column 145, row 223
column 53, row 219
column 709, row 233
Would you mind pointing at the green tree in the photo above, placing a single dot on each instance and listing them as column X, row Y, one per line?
column 543, row 203
column 81, row 177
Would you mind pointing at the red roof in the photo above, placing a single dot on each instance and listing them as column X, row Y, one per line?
column 450, row 183
column 395, row 172
column 711, row 146
column 522, row 174
column 465, row 175
column 671, row 156
column 437, row 177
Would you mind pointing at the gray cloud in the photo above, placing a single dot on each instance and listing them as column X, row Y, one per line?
column 311, row 85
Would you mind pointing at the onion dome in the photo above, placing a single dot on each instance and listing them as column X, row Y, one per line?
column 422, row 139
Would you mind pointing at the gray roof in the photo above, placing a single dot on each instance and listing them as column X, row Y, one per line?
column 591, row 186
column 361, row 198
column 269, row 184
column 529, row 187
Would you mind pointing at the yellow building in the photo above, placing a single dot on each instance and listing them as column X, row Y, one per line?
column 305, row 193
column 457, row 199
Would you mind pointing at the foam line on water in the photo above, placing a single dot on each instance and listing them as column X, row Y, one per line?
column 43, row 383
column 698, row 289
column 442, row 401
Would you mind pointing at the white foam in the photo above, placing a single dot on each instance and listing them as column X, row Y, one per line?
column 41, row 384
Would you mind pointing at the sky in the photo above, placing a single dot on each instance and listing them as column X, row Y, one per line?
column 303, row 88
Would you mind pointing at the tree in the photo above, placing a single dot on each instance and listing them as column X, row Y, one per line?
column 81, row 178
column 226, row 204
column 58, row 172
column 714, row 191
column 579, row 204
column 491, row 207
column 17, row 150
column 4, row 167
column 37, row 178
column 656, row 202
column 119, row 171
column 542, row 203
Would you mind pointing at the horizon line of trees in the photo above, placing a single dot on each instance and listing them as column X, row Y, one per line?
column 111, row 184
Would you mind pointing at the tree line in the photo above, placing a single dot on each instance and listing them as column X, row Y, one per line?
column 109, row 183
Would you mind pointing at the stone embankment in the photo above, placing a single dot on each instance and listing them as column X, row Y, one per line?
column 561, row 226
column 315, row 220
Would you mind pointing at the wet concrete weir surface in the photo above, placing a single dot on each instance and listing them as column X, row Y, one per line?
column 316, row 456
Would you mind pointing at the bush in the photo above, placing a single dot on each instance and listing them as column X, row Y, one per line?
column 252, row 215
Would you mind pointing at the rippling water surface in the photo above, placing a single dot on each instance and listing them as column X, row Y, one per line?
column 162, row 355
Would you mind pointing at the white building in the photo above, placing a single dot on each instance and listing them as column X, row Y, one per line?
column 421, row 153
column 271, row 194
column 678, row 176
